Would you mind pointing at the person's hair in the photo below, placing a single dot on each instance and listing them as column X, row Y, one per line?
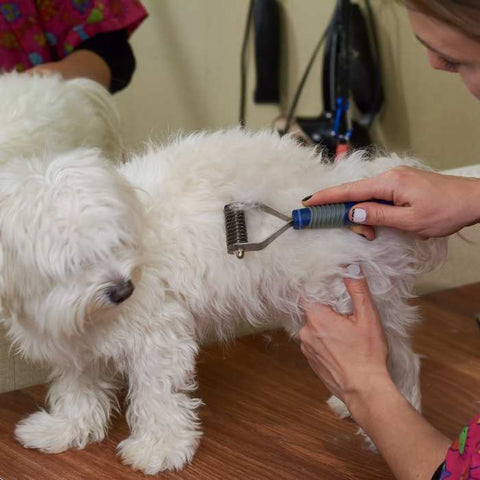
column 464, row 15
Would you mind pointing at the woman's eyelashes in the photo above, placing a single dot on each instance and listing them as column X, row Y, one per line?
column 448, row 65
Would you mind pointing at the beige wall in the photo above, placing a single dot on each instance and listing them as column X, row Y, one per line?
column 188, row 54
column 188, row 78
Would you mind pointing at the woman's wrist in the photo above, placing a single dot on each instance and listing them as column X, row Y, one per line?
column 470, row 189
column 476, row 199
column 365, row 399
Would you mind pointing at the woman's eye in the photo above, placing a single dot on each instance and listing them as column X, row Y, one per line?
column 448, row 65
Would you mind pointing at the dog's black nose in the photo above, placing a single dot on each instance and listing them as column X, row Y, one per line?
column 120, row 292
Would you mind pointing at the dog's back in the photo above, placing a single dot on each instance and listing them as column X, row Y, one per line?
column 186, row 186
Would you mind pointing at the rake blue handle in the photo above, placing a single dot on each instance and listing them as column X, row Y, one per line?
column 326, row 216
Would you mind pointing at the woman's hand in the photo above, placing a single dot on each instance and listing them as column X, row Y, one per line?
column 427, row 204
column 348, row 352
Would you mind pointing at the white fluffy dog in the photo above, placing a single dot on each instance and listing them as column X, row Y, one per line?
column 47, row 113
column 109, row 272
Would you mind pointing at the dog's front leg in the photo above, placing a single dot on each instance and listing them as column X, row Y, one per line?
column 80, row 403
column 161, row 415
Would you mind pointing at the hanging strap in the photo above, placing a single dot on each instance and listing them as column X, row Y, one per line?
column 266, row 16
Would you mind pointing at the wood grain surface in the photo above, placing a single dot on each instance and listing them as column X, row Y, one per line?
column 265, row 415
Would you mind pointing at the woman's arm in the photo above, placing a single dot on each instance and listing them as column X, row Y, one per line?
column 106, row 58
column 412, row 447
column 349, row 353
column 79, row 64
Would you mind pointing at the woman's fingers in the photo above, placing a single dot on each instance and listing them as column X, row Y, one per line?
column 363, row 230
column 377, row 214
column 315, row 307
column 361, row 190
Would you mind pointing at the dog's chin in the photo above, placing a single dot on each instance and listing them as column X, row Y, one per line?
column 104, row 313
column 112, row 300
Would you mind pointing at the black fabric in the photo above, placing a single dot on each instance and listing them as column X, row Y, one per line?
column 438, row 471
column 365, row 77
column 115, row 49
column 266, row 15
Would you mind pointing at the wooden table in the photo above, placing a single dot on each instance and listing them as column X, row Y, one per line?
column 265, row 415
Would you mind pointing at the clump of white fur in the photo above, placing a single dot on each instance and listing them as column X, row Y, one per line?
column 46, row 113
column 72, row 227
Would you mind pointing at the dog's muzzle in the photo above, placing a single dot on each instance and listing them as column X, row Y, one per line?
column 120, row 292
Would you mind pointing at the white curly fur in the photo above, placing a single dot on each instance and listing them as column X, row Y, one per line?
column 47, row 113
column 73, row 227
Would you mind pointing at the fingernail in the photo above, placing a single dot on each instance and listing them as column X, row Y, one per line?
column 308, row 197
column 354, row 270
column 359, row 215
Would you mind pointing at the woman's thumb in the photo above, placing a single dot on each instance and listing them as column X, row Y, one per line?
column 358, row 290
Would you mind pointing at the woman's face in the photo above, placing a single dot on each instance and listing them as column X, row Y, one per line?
column 449, row 49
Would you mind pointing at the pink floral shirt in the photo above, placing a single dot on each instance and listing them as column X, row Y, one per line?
column 463, row 457
column 39, row 31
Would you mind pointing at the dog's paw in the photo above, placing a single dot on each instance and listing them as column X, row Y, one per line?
column 52, row 434
column 152, row 454
column 338, row 407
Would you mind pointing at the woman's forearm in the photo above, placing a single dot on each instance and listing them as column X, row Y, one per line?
column 84, row 63
column 412, row 447
column 79, row 64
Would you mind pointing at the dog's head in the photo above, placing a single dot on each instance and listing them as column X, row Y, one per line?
column 70, row 241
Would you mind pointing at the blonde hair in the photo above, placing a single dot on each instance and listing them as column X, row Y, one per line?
column 464, row 15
